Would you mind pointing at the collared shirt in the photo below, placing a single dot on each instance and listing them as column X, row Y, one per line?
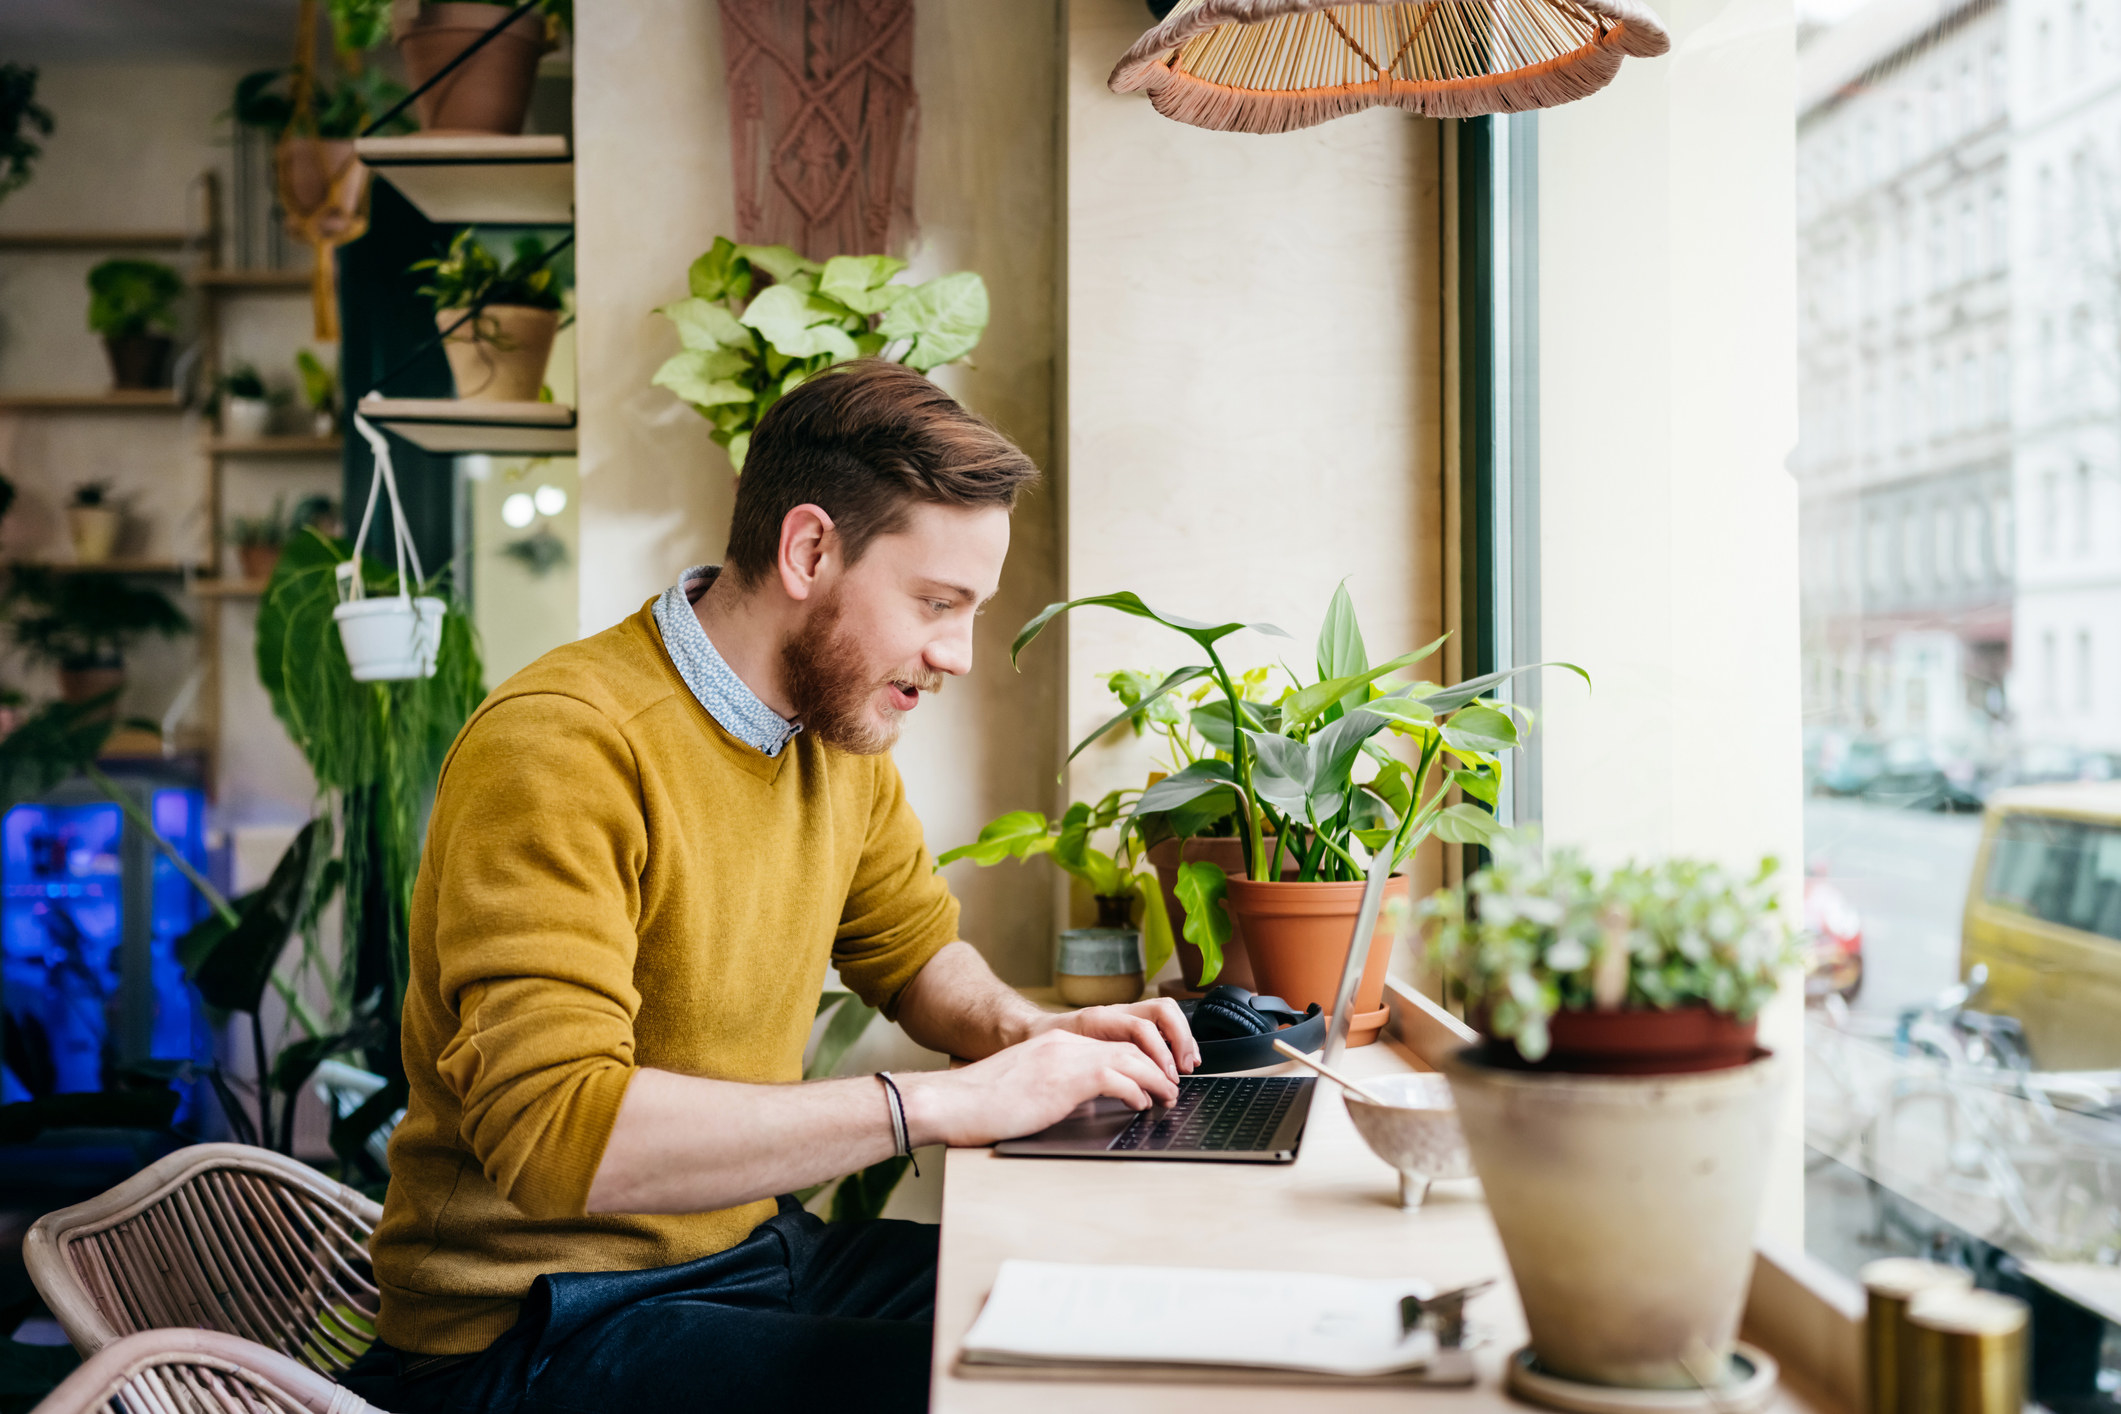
column 709, row 675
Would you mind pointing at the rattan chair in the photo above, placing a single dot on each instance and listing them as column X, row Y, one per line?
column 196, row 1372
column 219, row 1237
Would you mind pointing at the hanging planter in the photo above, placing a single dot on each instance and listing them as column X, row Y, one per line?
column 324, row 193
column 396, row 638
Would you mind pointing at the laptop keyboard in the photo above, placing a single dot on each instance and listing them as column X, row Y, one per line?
column 1216, row 1115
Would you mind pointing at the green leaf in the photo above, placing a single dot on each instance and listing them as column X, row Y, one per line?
column 1005, row 837
column 720, row 274
column 1196, row 780
column 861, row 1197
column 1211, row 720
column 1157, row 945
column 1203, row 890
column 850, row 1018
column 1281, row 773
column 798, row 324
column 1127, row 602
column 1408, row 710
column 232, row 966
column 56, row 741
column 1481, row 729
column 862, row 282
column 692, row 375
column 1466, row 824
column 1306, row 703
column 783, row 264
column 1479, row 784
column 739, row 444
column 1133, row 713
column 944, row 317
column 1394, row 785
column 1340, row 648
column 1333, row 752
column 706, row 324
column 1450, row 699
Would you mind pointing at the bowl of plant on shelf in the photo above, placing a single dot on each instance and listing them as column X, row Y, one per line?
column 1619, row 1113
column 762, row 319
column 489, row 91
column 258, row 540
column 1109, row 962
column 501, row 318
column 1316, row 790
column 244, row 404
column 82, row 623
column 93, row 520
column 133, row 305
column 320, row 393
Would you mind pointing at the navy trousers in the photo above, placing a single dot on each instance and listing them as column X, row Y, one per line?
column 800, row 1315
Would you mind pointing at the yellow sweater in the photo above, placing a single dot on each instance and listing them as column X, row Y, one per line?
column 612, row 881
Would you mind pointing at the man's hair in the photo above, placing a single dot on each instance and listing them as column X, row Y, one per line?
column 865, row 440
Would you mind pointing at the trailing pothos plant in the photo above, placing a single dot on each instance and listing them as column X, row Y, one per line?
column 1121, row 881
column 761, row 320
column 1314, row 771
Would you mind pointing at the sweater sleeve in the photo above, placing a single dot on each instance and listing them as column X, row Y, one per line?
column 539, row 842
column 899, row 912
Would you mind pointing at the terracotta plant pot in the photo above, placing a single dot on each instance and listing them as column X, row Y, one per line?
column 257, row 560
column 487, row 93
column 94, row 530
column 1229, row 856
column 500, row 356
column 1683, row 1041
column 77, row 685
column 1297, row 936
column 1626, row 1205
column 139, row 360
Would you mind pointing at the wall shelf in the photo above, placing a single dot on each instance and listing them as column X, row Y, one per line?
column 448, row 426
column 168, row 568
column 228, row 588
column 274, row 446
column 117, row 400
column 254, row 281
column 478, row 180
column 100, row 240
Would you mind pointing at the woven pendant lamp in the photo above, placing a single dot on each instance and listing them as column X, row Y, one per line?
column 1271, row 66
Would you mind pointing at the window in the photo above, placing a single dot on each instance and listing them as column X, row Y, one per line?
column 2050, row 514
column 1999, row 228
column 2082, row 517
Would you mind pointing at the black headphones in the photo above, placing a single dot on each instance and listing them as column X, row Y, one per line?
column 1225, row 1013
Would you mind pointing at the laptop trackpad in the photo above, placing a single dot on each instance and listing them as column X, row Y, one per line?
column 1091, row 1124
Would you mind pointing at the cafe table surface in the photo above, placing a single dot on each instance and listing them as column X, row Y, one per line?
column 1336, row 1209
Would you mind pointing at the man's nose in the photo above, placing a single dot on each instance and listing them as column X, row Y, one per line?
column 952, row 654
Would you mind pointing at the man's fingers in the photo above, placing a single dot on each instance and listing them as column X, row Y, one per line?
column 1172, row 1023
column 1143, row 1033
column 1122, row 1087
column 1150, row 1076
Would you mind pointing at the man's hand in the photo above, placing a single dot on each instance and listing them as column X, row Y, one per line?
column 1029, row 1086
column 1157, row 1026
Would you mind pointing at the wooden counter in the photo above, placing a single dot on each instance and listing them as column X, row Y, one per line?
column 1335, row 1209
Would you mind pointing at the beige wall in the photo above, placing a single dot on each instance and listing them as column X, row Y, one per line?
column 1668, row 387
column 1254, row 382
column 653, row 190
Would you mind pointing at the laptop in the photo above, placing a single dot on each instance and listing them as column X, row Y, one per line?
column 1245, row 1119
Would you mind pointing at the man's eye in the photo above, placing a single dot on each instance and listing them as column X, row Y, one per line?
column 941, row 606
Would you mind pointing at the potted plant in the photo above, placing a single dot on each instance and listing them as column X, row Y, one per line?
column 1619, row 1115
column 1316, row 790
column 320, row 391
column 762, row 319
column 498, row 353
column 243, row 402
column 490, row 91
column 22, row 121
column 1110, row 962
column 132, row 304
column 82, row 624
column 258, row 540
column 92, row 520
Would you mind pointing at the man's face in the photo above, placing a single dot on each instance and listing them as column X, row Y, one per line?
column 892, row 626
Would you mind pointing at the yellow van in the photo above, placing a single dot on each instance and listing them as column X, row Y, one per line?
column 2043, row 911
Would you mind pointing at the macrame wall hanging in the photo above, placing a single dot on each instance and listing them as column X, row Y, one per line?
column 822, row 118
column 1271, row 66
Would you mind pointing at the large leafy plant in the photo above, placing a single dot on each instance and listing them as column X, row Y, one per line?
column 127, row 298
column 1314, row 771
column 79, row 621
column 469, row 274
column 340, row 106
column 1120, row 880
column 1534, row 933
column 746, row 341
column 22, row 121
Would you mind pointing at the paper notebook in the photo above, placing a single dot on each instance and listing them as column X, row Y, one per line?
column 1057, row 1317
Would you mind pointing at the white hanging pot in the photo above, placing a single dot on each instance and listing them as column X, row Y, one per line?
column 398, row 638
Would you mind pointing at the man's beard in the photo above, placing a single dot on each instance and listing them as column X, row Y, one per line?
column 833, row 687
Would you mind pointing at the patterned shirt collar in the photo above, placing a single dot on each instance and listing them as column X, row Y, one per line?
column 710, row 677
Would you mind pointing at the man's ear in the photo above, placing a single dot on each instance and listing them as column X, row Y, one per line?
column 808, row 545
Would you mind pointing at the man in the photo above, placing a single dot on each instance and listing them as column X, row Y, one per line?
column 645, row 849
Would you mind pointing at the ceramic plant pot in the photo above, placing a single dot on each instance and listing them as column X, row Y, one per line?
column 139, row 360
column 1626, row 1205
column 94, row 530
column 1099, row 966
column 1416, row 1131
column 391, row 639
column 1229, row 856
column 1297, row 937
column 487, row 93
column 245, row 419
column 500, row 355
